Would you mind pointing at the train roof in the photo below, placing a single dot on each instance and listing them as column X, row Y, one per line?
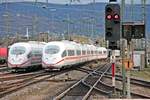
column 64, row 44
column 29, row 44
column 71, row 45
column 36, row 42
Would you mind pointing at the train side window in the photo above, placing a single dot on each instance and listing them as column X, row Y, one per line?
column 83, row 52
column 91, row 52
column 64, row 54
column 100, row 52
column 95, row 52
column 29, row 55
column 78, row 52
column 104, row 52
column 71, row 53
column 88, row 52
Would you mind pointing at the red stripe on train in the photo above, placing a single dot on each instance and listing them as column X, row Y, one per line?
column 67, row 58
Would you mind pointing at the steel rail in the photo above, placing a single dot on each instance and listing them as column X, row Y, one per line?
column 92, row 87
column 31, row 80
column 134, row 81
column 61, row 95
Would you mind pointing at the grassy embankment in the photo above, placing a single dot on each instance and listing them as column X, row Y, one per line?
column 143, row 74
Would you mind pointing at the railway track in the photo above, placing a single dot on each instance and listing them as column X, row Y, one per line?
column 23, row 80
column 13, row 76
column 5, row 74
column 138, row 82
column 3, row 65
column 3, row 68
column 134, row 81
column 28, row 81
column 76, row 90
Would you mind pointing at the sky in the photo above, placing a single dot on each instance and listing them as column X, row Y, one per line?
column 81, row 1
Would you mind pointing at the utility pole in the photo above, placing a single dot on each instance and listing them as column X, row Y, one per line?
column 34, row 26
column 92, row 27
column 128, row 71
column 52, row 22
column 128, row 55
column 123, row 50
column 6, row 16
column 68, row 26
column 70, row 1
column 144, row 20
column 27, row 33
column 132, row 1
column 36, row 1
column 47, row 1
column 34, row 22
column 94, row 1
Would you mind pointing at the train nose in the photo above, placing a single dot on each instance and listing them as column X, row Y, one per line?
column 50, row 60
column 16, row 60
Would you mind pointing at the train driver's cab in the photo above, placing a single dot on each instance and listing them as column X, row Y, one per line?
column 18, row 50
column 52, row 49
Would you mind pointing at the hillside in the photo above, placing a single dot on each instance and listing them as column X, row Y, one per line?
column 59, row 19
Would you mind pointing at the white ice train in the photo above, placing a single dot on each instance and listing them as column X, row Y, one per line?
column 61, row 54
column 25, row 55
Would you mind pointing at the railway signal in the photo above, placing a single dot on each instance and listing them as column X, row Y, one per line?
column 112, row 25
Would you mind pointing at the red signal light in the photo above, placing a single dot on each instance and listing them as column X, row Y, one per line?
column 109, row 17
column 116, row 16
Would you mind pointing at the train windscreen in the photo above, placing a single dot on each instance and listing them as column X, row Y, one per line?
column 52, row 49
column 18, row 50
